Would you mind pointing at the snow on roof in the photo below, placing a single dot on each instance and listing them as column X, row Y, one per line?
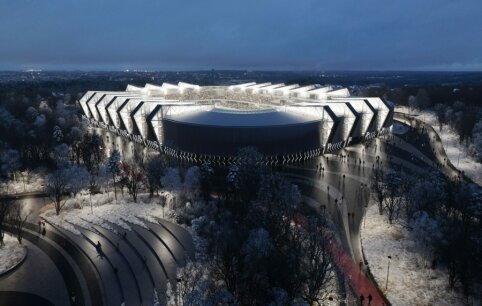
column 169, row 86
column 133, row 88
column 188, row 85
column 302, row 89
column 241, row 85
column 321, row 90
column 270, row 88
column 339, row 93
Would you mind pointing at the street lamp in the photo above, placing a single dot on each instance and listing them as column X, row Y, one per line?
column 388, row 271
column 458, row 158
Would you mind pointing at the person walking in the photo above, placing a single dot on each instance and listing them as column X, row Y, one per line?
column 360, row 264
column 370, row 298
column 362, row 299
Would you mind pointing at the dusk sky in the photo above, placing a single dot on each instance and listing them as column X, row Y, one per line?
column 248, row 34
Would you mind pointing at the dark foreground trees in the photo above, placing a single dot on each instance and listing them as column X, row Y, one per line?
column 263, row 250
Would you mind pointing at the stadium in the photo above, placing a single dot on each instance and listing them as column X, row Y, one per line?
column 286, row 123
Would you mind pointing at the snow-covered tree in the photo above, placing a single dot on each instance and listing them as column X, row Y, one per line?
column 476, row 146
column 194, row 287
column 31, row 113
column 154, row 170
column 427, row 231
column 192, row 181
column 171, row 179
column 61, row 154
column 44, row 107
column 207, row 172
column 79, row 178
column 113, row 168
column 40, row 121
column 57, row 134
column 245, row 177
column 257, row 246
column 412, row 103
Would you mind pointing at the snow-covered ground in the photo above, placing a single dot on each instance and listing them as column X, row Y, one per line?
column 411, row 279
column 11, row 253
column 452, row 146
column 78, row 211
column 35, row 182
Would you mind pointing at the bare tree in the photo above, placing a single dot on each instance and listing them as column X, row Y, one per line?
column 113, row 168
column 57, row 188
column 376, row 187
column 392, row 202
column 132, row 175
column 5, row 207
column 17, row 221
column 317, row 264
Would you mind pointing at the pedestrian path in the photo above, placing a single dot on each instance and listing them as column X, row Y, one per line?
column 355, row 276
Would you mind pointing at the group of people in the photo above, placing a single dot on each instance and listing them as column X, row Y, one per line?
column 369, row 298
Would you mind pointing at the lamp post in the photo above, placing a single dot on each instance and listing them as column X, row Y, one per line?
column 458, row 158
column 388, row 271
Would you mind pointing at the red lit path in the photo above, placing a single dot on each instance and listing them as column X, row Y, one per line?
column 355, row 278
column 353, row 275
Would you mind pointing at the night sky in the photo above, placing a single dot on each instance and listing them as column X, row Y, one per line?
column 248, row 34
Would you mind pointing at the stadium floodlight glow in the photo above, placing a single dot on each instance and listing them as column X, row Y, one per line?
column 280, row 120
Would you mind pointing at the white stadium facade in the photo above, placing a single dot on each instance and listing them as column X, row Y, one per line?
column 286, row 123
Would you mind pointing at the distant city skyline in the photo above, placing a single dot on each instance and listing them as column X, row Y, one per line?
column 431, row 35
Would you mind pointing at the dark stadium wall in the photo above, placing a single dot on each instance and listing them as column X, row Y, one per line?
column 221, row 140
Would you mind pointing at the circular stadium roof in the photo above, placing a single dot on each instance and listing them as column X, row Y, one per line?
column 235, row 118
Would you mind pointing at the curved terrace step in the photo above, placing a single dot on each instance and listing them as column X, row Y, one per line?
column 124, row 271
